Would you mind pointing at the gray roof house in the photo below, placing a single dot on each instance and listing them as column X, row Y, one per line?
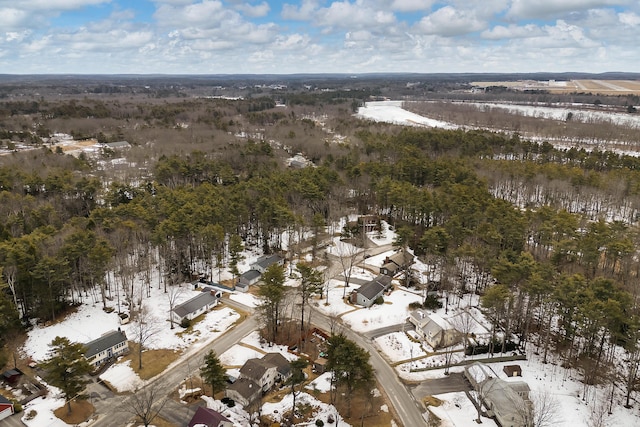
column 507, row 401
column 110, row 345
column 117, row 145
column 195, row 306
column 436, row 331
column 283, row 366
column 266, row 261
column 396, row 263
column 261, row 372
column 244, row 391
column 206, row 417
column 366, row 294
column 247, row 279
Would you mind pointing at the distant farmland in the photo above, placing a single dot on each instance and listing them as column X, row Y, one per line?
column 604, row 87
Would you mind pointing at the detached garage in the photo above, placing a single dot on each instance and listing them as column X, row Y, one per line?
column 6, row 408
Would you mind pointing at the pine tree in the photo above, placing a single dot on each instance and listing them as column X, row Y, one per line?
column 213, row 373
column 66, row 368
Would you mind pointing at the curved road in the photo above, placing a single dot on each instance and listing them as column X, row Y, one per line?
column 406, row 407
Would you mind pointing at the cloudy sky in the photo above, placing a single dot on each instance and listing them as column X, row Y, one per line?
column 317, row 36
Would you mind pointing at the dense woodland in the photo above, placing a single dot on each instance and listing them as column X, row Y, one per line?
column 548, row 237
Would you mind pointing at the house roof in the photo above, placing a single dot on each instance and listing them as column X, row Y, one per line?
column 401, row 258
column 279, row 361
column 266, row 261
column 207, row 417
column 195, row 303
column 504, row 401
column 421, row 316
column 255, row 369
column 250, row 275
column 374, row 287
column 245, row 387
column 117, row 144
column 105, row 342
column 4, row 400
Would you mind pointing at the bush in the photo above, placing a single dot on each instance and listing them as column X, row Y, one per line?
column 319, row 423
column 185, row 323
column 379, row 301
column 432, row 303
column 484, row 348
column 415, row 305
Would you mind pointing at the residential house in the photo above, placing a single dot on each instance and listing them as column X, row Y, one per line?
column 6, row 407
column 266, row 261
column 195, row 306
column 206, row 417
column 107, row 347
column 260, row 372
column 244, row 391
column 366, row 294
column 396, row 263
column 283, row 366
column 507, row 401
column 433, row 329
column 117, row 145
column 247, row 279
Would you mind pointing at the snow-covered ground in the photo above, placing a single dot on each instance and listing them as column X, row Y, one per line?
column 392, row 112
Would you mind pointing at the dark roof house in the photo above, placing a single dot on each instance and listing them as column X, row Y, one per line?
column 206, row 417
column 266, row 261
column 247, row 279
column 195, row 306
column 283, row 366
column 108, row 346
column 244, row 391
column 397, row 262
column 366, row 294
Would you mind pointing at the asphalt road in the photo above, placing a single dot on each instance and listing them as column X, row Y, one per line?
column 13, row 421
column 109, row 409
column 454, row 382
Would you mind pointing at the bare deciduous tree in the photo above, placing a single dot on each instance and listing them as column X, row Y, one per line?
column 146, row 403
column 145, row 327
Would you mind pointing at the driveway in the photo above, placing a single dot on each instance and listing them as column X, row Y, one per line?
column 454, row 382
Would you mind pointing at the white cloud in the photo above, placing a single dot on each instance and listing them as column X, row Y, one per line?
column 254, row 11
column 13, row 18
column 411, row 5
column 629, row 18
column 527, row 9
column 500, row 32
column 56, row 5
column 302, row 12
column 448, row 21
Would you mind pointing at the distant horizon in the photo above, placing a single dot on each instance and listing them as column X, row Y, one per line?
column 269, row 37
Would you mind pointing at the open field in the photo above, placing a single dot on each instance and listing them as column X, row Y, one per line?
column 604, row 87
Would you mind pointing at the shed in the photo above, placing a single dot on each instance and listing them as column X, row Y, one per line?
column 319, row 365
column 12, row 376
column 512, row 370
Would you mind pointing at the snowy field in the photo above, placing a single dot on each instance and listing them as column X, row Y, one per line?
column 392, row 112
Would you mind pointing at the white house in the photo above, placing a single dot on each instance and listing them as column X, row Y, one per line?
column 110, row 345
column 266, row 261
column 366, row 294
column 261, row 372
column 197, row 305
column 436, row 331
column 247, row 279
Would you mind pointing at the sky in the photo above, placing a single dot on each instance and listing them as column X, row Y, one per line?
column 317, row 36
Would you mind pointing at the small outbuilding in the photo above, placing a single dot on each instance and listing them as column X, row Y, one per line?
column 512, row 370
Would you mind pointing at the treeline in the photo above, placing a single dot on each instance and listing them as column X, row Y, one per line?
column 544, row 272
